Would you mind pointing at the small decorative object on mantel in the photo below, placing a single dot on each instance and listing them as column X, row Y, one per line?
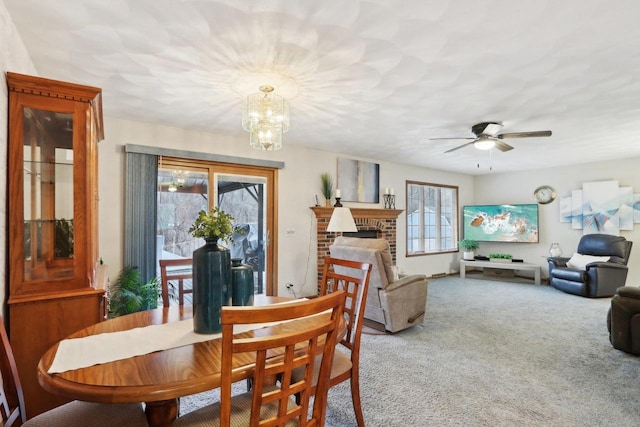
column 389, row 198
column 500, row 258
column 327, row 188
column 338, row 204
column 211, row 270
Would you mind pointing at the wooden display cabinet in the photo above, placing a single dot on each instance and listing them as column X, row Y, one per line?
column 54, row 128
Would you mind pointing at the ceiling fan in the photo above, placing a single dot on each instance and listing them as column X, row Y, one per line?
column 487, row 137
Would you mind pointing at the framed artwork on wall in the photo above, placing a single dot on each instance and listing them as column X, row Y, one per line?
column 565, row 209
column 601, row 207
column 625, row 211
column 358, row 181
column 600, row 201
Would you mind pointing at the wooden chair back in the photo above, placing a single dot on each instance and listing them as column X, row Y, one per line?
column 12, row 407
column 277, row 355
column 353, row 278
column 177, row 276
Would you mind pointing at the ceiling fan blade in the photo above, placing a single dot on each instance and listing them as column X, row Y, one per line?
column 434, row 139
column 502, row 146
column 492, row 129
column 536, row 134
column 460, row 146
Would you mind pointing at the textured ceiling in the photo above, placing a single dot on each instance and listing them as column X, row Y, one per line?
column 374, row 78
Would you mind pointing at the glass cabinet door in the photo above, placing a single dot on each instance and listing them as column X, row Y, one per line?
column 48, row 195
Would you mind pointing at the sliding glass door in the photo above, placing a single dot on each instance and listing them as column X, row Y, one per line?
column 244, row 197
column 245, row 192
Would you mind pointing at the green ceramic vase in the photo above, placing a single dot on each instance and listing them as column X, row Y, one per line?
column 241, row 283
column 211, row 286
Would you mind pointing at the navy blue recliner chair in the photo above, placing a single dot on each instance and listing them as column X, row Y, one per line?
column 597, row 278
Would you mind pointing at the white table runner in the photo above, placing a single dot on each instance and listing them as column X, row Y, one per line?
column 76, row 353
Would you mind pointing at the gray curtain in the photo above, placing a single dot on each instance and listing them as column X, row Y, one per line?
column 141, row 188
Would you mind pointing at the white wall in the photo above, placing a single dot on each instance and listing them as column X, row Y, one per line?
column 13, row 57
column 299, row 182
column 519, row 187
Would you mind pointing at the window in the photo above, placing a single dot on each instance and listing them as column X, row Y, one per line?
column 432, row 218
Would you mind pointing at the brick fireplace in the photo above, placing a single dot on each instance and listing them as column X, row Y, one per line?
column 383, row 221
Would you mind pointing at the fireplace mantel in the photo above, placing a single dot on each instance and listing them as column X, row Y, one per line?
column 322, row 212
column 382, row 220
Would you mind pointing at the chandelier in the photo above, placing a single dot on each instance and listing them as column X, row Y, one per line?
column 265, row 116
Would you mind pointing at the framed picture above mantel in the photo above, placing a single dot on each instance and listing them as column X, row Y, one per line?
column 358, row 181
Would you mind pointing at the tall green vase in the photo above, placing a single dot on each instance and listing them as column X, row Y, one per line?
column 241, row 283
column 211, row 286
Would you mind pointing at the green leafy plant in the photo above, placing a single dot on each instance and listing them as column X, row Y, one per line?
column 212, row 224
column 128, row 294
column 501, row 256
column 327, row 185
column 468, row 244
column 63, row 247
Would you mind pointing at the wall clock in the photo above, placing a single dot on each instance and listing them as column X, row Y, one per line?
column 544, row 194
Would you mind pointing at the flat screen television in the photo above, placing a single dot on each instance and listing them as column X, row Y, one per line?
column 501, row 223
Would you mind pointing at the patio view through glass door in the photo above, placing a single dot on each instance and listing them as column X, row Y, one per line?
column 185, row 187
column 243, row 197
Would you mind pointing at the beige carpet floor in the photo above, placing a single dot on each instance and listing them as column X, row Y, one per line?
column 493, row 354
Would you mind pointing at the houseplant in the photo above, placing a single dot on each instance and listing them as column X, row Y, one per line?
column 63, row 247
column 214, row 224
column 468, row 246
column 211, row 269
column 127, row 294
column 499, row 257
column 327, row 187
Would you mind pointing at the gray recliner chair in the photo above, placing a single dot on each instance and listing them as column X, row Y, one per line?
column 599, row 278
column 396, row 304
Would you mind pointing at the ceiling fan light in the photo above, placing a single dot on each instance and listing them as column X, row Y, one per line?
column 484, row 143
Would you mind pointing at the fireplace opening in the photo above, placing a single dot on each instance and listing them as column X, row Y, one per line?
column 362, row 234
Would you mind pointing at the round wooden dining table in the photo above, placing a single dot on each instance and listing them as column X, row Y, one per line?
column 158, row 379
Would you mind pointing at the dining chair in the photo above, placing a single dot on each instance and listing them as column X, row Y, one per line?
column 275, row 355
column 353, row 278
column 74, row 413
column 179, row 271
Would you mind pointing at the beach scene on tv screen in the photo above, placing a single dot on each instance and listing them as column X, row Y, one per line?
column 501, row 223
